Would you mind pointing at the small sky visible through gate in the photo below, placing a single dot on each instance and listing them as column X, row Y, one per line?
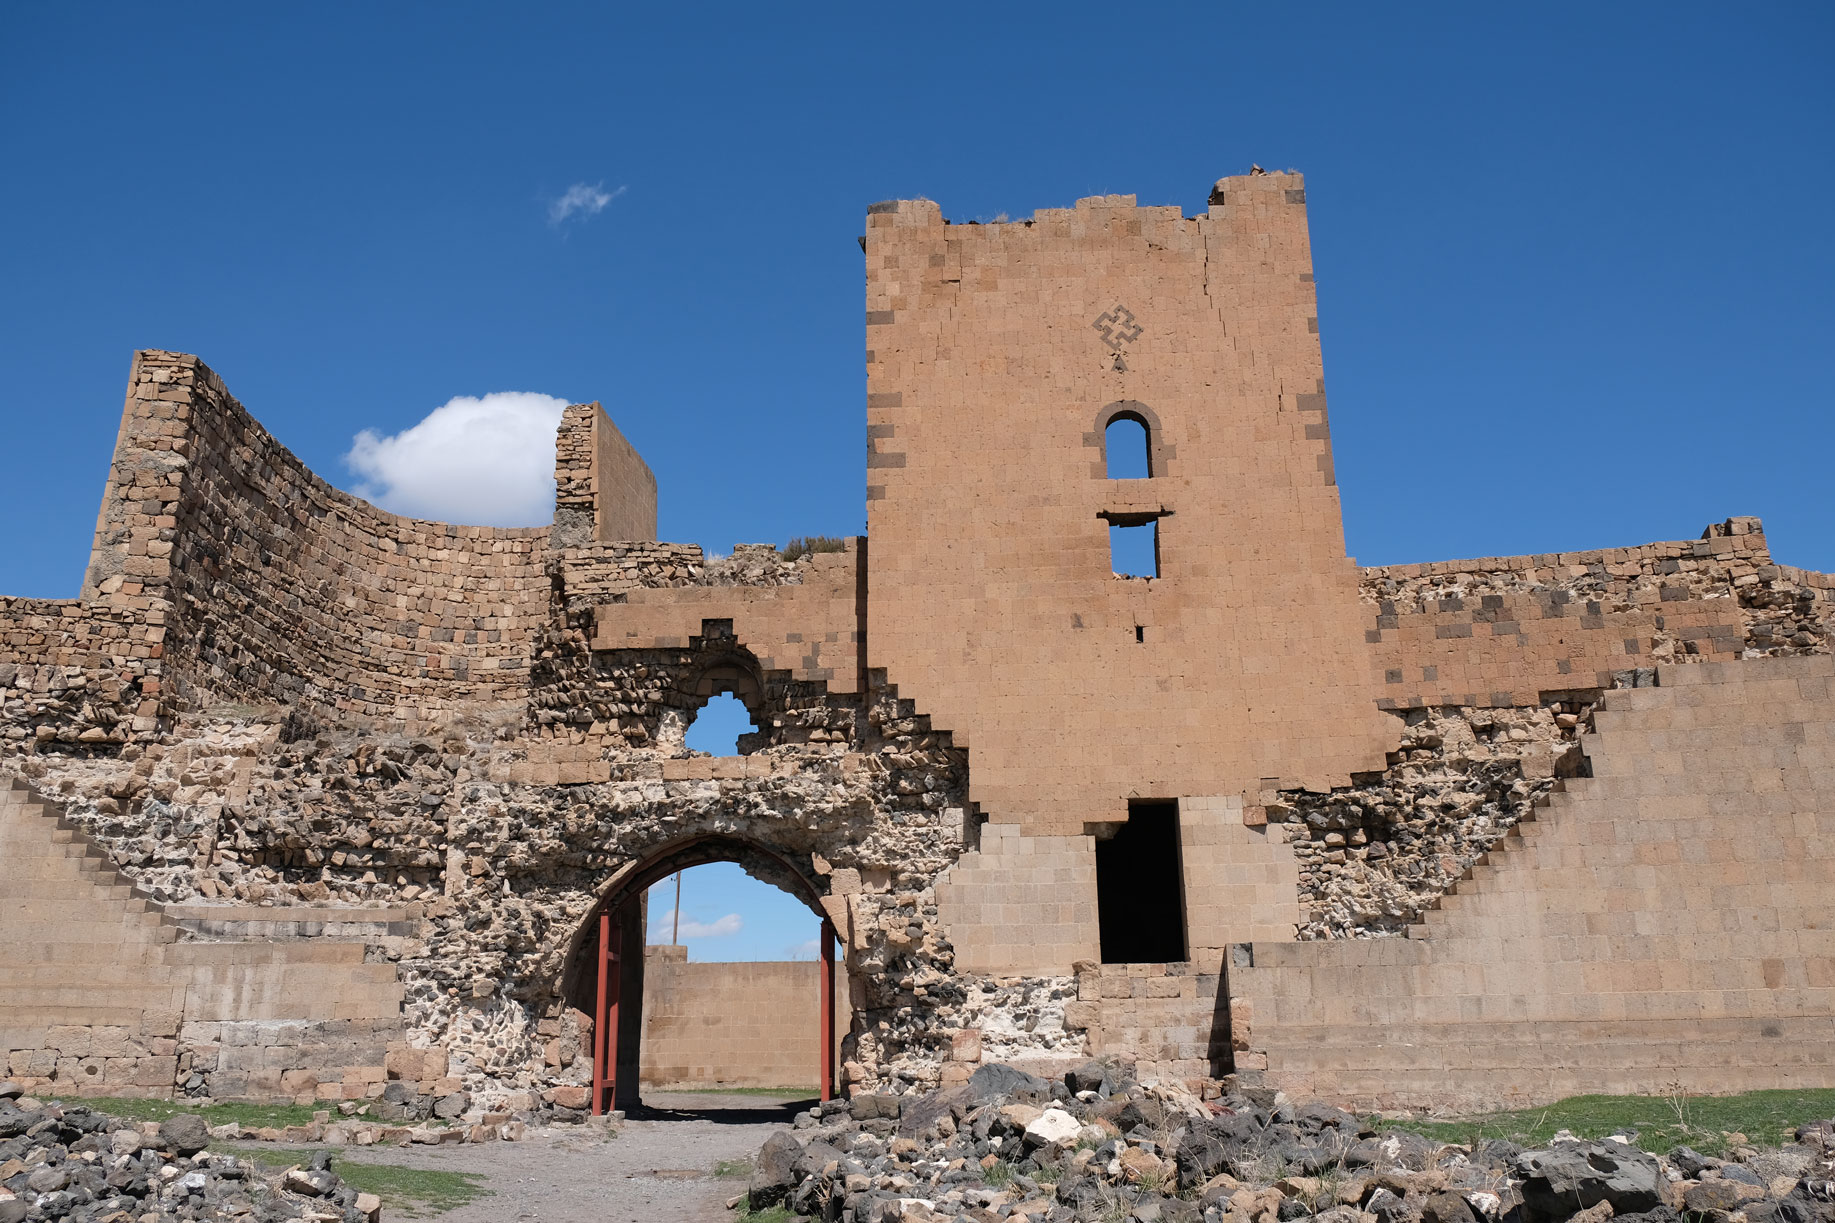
column 728, row 915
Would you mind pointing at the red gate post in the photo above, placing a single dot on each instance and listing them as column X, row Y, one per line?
column 614, row 968
column 828, row 1010
column 599, row 1031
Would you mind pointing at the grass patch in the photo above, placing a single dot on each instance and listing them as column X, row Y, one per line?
column 1766, row 1118
column 997, row 1176
column 805, row 545
column 413, row 1192
column 248, row 1116
column 733, row 1169
column 771, row 1214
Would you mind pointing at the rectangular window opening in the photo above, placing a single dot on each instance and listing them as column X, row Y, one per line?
column 1134, row 551
column 1140, row 632
column 1140, row 887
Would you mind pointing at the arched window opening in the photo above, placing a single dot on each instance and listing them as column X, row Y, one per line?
column 1127, row 448
column 722, row 727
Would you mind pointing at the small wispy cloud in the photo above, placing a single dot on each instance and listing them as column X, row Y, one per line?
column 582, row 200
column 690, row 928
column 803, row 951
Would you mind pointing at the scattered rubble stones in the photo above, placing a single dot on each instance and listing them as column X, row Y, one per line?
column 68, row 1162
column 1100, row 1145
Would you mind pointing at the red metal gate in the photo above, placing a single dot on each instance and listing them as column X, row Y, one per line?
column 605, row 1017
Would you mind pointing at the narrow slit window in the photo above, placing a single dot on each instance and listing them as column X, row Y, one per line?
column 1125, row 447
column 1134, row 551
column 1140, row 888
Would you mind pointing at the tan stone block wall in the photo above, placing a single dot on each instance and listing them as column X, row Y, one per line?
column 624, row 487
column 811, row 629
column 735, row 1024
column 1021, row 905
column 1025, row 905
column 1163, row 1015
column 603, row 490
column 97, row 996
column 1242, row 884
column 72, row 672
column 1500, row 631
column 993, row 605
column 1661, row 921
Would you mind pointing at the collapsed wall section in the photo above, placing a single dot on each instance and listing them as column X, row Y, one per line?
column 1657, row 923
column 78, row 677
column 1492, row 669
column 1504, row 630
column 603, row 490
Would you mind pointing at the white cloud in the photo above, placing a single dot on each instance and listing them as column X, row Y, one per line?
column 804, row 951
column 479, row 461
column 581, row 200
column 660, row 926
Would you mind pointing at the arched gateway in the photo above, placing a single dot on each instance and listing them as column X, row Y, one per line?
column 604, row 976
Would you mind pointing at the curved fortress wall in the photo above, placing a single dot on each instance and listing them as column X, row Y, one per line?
column 274, row 586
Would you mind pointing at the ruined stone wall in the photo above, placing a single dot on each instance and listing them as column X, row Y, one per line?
column 1502, row 663
column 77, row 677
column 1658, row 922
column 811, row 628
column 511, row 849
column 603, row 488
column 283, row 589
column 1504, row 630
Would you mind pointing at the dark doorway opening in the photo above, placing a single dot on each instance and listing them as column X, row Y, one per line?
column 1140, row 890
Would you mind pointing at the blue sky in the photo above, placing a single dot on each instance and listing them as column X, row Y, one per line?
column 1574, row 261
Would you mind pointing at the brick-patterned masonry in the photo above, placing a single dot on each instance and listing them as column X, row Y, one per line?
column 442, row 751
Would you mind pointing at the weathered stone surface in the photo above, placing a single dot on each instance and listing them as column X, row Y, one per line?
column 185, row 1134
column 1558, row 1180
column 774, row 1171
column 1053, row 1126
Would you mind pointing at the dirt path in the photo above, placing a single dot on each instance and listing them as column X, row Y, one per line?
column 659, row 1168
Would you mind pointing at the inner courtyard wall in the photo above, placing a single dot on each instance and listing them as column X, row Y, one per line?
column 734, row 1024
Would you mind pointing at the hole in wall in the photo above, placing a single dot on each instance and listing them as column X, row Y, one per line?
column 1140, row 887
column 1134, row 551
column 718, row 726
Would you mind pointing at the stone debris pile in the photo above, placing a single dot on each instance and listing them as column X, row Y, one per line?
column 1099, row 1145
column 68, row 1162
